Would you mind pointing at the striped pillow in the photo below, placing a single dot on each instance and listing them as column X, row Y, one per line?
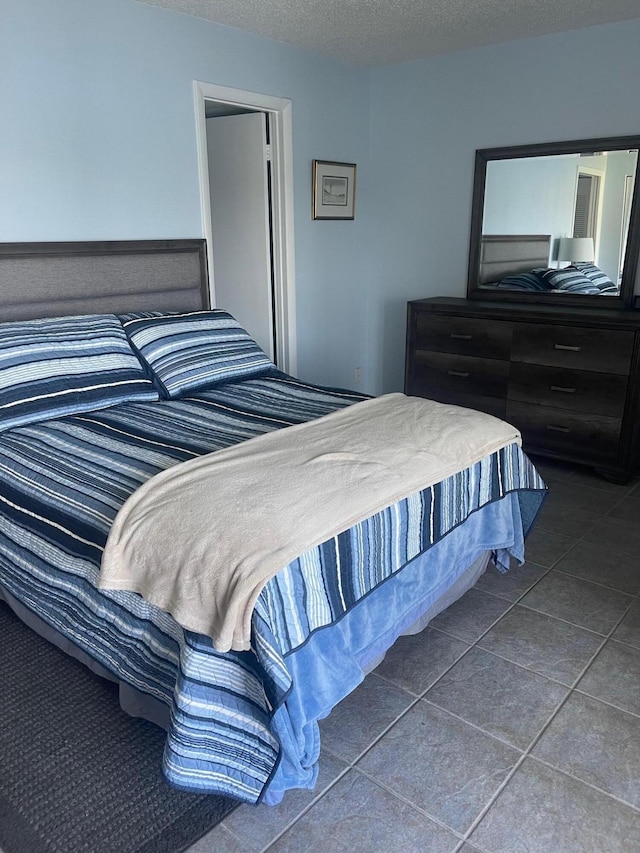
column 568, row 280
column 597, row 276
column 523, row 281
column 196, row 350
column 62, row 366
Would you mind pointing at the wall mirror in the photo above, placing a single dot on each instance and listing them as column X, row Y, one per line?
column 556, row 223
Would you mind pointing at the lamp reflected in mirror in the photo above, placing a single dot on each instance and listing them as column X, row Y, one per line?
column 574, row 249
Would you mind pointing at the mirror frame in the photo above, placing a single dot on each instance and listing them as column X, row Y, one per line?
column 574, row 146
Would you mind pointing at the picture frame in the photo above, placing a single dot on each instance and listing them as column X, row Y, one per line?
column 334, row 190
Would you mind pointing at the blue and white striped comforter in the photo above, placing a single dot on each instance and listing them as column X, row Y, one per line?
column 62, row 483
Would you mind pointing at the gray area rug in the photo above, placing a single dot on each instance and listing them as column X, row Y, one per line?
column 77, row 775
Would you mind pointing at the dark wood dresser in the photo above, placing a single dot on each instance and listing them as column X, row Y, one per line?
column 568, row 378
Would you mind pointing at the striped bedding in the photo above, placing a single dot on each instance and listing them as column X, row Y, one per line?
column 234, row 721
column 62, row 365
column 192, row 351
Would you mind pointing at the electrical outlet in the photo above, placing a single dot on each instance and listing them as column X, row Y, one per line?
column 357, row 375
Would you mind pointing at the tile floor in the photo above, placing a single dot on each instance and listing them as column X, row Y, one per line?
column 511, row 724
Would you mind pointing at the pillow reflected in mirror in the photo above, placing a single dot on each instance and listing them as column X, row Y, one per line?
column 523, row 281
column 596, row 276
column 568, row 280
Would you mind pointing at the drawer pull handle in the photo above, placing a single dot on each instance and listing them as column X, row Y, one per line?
column 459, row 373
column 564, row 390
column 567, row 348
column 456, row 337
column 554, row 428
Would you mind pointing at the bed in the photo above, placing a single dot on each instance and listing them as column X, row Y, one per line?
column 242, row 722
column 521, row 262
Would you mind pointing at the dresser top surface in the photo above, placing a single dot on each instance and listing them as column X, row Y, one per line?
column 568, row 315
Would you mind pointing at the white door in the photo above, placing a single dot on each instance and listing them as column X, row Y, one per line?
column 239, row 187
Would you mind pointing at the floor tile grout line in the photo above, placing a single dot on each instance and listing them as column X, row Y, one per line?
column 388, row 728
column 568, row 621
column 568, row 551
column 511, row 607
column 528, row 752
column 528, row 755
column 408, row 802
column 235, row 837
column 525, row 754
column 574, row 511
column 528, row 589
column 307, row 808
column 512, row 604
column 483, row 812
column 350, row 766
column 571, row 690
column 591, row 785
column 476, row 846
column 607, row 702
column 470, row 644
column 555, row 533
column 525, row 668
column 606, row 638
column 436, row 678
column 580, row 470
column 476, row 642
column 621, row 499
column 596, row 583
column 518, row 601
column 609, row 638
column 486, row 732
column 600, row 515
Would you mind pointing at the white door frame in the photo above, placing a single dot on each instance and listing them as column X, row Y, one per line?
column 280, row 125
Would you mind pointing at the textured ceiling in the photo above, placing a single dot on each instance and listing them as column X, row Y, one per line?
column 376, row 32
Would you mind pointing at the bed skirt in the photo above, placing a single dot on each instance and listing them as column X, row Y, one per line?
column 138, row 704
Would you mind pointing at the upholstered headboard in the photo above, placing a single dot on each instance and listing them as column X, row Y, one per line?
column 56, row 279
column 508, row 254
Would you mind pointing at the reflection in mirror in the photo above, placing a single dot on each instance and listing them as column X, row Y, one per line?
column 550, row 224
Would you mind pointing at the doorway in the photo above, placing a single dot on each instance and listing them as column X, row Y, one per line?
column 240, row 198
column 257, row 284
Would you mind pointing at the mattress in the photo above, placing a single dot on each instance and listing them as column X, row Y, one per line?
column 239, row 723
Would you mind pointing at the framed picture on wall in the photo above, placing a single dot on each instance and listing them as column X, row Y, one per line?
column 334, row 190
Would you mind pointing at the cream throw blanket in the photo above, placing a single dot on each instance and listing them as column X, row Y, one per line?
column 202, row 538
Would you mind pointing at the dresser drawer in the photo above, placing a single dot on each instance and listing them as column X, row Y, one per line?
column 578, row 390
column 464, row 335
column 577, row 434
column 445, row 373
column 581, row 348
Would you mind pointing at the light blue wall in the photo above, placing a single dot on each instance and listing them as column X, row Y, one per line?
column 427, row 120
column 97, row 141
column 531, row 196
